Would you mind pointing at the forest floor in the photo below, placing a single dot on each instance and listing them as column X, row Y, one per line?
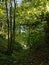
column 34, row 56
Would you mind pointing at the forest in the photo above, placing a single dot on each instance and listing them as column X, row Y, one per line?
column 24, row 32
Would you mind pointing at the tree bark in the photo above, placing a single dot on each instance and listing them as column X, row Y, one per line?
column 7, row 21
column 14, row 22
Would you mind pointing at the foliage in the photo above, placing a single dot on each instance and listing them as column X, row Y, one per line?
column 30, row 35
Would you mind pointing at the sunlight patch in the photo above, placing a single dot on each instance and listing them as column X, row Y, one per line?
column 47, row 7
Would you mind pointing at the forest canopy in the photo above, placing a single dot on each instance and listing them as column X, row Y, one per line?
column 24, row 32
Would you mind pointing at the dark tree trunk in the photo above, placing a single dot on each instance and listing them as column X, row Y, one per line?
column 47, row 30
column 10, row 29
column 7, row 20
column 14, row 22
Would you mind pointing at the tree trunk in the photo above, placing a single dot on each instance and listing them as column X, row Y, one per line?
column 14, row 23
column 7, row 21
column 47, row 29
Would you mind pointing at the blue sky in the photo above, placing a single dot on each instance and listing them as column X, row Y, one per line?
column 19, row 1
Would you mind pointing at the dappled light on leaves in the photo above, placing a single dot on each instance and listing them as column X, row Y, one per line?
column 24, row 32
column 47, row 7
